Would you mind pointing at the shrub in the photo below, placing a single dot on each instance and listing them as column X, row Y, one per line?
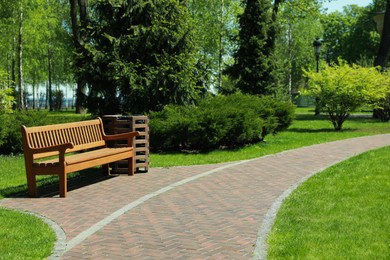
column 382, row 111
column 11, row 137
column 342, row 89
column 218, row 121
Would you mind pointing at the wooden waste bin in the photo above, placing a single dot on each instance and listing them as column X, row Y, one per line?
column 115, row 124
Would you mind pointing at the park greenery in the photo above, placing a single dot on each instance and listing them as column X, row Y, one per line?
column 337, row 214
column 341, row 89
column 223, row 121
column 139, row 56
column 216, row 77
column 305, row 130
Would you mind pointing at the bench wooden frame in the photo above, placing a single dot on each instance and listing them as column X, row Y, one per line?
column 45, row 148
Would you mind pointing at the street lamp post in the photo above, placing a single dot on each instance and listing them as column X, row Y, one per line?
column 317, row 51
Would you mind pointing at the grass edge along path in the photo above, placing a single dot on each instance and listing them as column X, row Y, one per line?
column 339, row 213
column 31, row 237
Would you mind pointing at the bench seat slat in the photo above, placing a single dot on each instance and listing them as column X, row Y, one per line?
column 87, row 156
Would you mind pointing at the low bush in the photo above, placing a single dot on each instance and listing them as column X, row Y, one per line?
column 222, row 121
column 11, row 136
column 342, row 89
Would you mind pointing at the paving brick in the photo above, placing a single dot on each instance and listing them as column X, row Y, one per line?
column 216, row 216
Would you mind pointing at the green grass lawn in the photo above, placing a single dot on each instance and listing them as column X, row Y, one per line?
column 24, row 236
column 306, row 130
column 340, row 213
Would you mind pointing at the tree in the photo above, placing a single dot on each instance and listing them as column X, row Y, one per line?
column 341, row 89
column 79, row 23
column 215, row 41
column 384, row 46
column 350, row 35
column 253, row 67
column 43, row 42
column 299, row 25
column 140, row 56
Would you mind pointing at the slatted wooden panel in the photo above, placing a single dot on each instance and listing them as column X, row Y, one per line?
column 76, row 135
column 122, row 124
column 83, row 135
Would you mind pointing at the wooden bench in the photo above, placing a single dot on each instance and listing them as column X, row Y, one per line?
column 45, row 148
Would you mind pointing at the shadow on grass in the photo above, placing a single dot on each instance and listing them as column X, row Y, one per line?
column 321, row 130
column 310, row 117
column 49, row 187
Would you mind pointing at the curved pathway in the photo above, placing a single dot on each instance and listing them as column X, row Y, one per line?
column 220, row 211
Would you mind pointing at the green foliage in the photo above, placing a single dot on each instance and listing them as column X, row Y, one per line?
column 6, row 100
column 24, row 236
column 299, row 24
column 139, row 56
column 11, row 137
column 45, row 40
column 58, row 96
column 215, row 28
column 222, row 121
column 383, row 112
column 350, row 35
column 342, row 89
column 254, row 64
column 382, row 109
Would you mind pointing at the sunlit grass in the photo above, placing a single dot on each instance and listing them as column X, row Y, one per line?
column 341, row 213
column 24, row 236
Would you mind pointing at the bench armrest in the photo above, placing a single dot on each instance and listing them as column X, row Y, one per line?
column 123, row 136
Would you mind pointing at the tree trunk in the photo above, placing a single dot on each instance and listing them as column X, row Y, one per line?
column 33, row 95
column 49, row 78
column 220, row 45
column 13, row 64
column 78, row 40
column 384, row 46
column 20, row 57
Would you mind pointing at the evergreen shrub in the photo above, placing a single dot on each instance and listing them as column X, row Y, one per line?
column 10, row 133
column 221, row 121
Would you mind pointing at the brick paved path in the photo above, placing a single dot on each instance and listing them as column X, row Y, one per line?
column 198, row 212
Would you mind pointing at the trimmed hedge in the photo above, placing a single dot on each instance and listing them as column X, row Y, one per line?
column 10, row 133
column 222, row 121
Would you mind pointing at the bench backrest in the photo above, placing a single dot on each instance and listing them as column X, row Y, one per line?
column 83, row 135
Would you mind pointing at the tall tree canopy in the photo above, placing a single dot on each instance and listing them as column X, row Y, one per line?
column 140, row 56
column 350, row 34
column 299, row 25
column 253, row 67
column 34, row 45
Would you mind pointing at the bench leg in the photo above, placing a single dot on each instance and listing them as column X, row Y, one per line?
column 106, row 169
column 32, row 185
column 131, row 166
column 63, row 185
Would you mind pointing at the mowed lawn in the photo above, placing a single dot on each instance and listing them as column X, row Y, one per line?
column 340, row 213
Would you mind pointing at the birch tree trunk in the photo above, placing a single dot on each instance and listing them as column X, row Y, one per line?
column 20, row 57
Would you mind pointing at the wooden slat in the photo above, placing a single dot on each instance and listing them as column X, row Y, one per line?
column 41, row 142
column 67, row 136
